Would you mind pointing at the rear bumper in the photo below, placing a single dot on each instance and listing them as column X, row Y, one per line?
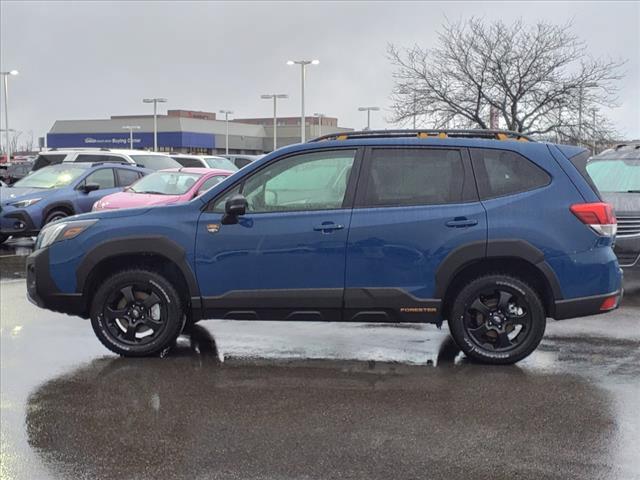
column 585, row 306
column 42, row 290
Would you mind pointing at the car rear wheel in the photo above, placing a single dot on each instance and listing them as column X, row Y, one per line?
column 497, row 319
column 137, row 313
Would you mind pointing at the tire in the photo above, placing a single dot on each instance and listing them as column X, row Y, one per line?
column 3, row 238
column 497, row 319
column 132, row 303
column 55, row 215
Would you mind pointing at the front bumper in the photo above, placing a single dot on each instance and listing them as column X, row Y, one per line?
column 43, row 292
column 16, row 223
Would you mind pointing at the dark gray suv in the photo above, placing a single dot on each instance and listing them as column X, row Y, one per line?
column 616, row 173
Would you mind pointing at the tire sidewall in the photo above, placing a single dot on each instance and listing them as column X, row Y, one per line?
column 169, row 297
column 52, row 216
column 474, row 351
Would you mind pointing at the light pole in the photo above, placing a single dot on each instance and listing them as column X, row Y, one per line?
column 155, row 102
column 368, row 110
column 320, row 116
column 131, row 128
column 303, row 66
column 226, row 138
column 275, row 97
column 5, row 76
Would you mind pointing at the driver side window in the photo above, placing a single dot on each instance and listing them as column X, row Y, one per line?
column 312, row 181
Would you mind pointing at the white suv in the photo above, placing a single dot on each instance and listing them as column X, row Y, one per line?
column 204, row 161
column 150, row 160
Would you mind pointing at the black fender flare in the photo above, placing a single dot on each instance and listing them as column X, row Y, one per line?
column 149, row 245
column 467, row 254
column 56, row 206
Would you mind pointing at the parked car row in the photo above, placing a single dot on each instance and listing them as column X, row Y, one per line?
column 69, row 182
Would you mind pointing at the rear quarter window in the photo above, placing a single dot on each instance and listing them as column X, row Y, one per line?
column 502, row 172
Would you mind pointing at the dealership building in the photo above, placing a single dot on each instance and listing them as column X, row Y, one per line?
column 187, row 131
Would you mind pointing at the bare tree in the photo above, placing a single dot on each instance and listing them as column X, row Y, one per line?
column 538, row 78
column 27, row 143
column 13, row 141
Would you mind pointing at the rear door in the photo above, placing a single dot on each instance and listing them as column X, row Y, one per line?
column 413, row 207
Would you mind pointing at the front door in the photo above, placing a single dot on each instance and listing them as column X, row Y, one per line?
column 285, row 258
column 104, row 179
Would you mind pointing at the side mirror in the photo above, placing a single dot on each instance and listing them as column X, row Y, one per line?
column 90, row 187
column 234, row 207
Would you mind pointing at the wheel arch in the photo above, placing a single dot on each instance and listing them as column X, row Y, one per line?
column 515, row 257
column 60, row 205
column 155, row 253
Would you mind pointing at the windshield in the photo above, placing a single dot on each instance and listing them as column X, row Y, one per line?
column 221, row 163
column 54, row 176
column 165, row 183
column 615, row 175
column 155, row 162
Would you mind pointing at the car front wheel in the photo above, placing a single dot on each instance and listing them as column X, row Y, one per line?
column 497, row 319
column 137, row 313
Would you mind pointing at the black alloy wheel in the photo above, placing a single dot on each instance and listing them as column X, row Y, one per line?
column 137, row 313
column 497, row 319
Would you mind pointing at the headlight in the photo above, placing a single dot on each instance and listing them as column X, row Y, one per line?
column 59, row 231
column 26, row 203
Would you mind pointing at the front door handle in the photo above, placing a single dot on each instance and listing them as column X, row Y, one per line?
column 461, row 222
column 328, row 227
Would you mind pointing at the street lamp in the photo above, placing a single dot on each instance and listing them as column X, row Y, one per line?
column 155, row 102
column 275, row 97
column 5, row 75
column 319, row 116
column 303, row 68
column 368, row 110
column 226, row 119
column 131, row 128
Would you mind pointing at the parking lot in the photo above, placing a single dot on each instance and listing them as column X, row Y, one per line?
column 313, row 400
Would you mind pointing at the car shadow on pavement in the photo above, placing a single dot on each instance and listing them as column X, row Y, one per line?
column 188, row 415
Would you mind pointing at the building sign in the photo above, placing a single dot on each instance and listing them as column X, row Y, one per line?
column 111, row 141
column 140, row 140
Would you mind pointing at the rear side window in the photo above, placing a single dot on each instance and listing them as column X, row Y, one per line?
column 188, row 162
column 418, row 176
column 501, row 172
column 126, row 177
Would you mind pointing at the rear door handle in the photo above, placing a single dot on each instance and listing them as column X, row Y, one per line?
column 461, row 222
column 327, row 227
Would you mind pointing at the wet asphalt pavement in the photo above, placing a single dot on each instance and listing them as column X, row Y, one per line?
column 263, row 400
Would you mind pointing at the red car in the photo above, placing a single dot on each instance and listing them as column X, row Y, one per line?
column 164, row 187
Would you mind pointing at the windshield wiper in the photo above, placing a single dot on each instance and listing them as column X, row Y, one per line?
column 151, row 192
column 633, row 191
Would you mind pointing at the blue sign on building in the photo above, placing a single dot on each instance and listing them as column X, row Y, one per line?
column 140, row 140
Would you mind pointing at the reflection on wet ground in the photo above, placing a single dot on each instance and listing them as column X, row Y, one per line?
column 116, row 418
column 257, row 400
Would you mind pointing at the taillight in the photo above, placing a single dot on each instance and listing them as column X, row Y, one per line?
column 609, row 303
column 599, row 216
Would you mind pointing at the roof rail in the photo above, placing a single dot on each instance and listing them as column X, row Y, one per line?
column 428, row 133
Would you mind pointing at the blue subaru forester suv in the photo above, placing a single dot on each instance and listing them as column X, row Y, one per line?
column 485, row 229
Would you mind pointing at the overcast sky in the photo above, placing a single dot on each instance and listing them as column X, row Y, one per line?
column 95, row 59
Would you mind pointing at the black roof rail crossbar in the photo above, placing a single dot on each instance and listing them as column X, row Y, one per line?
column 426, row 133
